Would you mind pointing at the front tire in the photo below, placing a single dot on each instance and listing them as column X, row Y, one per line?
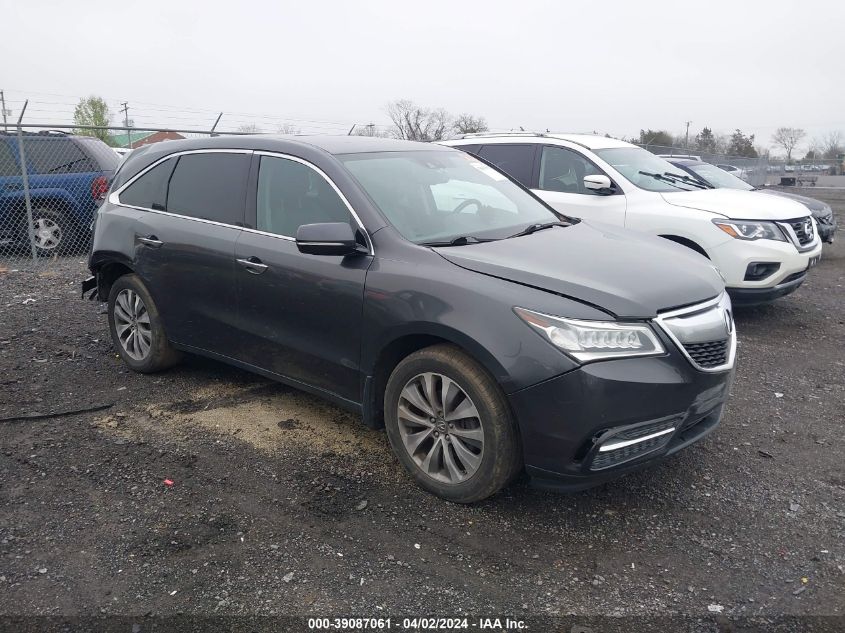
column 136, row 328
column 450, row 425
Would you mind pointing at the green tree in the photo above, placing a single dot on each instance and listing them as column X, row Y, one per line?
column 93, row 111
column 742, row 145
column 655, row 137
column 705, row 141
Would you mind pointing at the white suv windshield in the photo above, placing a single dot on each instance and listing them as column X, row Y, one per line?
column 645, row 170
column 719, row 178
column 438, row 196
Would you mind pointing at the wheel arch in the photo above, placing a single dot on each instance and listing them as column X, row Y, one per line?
column 108, row 270
column 401, row 345
column 685, row 241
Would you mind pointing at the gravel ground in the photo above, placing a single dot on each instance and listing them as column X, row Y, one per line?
column 283, row 504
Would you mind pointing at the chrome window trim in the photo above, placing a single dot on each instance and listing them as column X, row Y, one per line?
column 114, row 196
column 701, row 307
column 349, row 208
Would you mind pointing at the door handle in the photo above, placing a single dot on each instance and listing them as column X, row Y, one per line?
column 151, row 240
column 253, row 265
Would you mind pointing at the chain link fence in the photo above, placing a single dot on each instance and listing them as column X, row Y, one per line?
column 52, row 181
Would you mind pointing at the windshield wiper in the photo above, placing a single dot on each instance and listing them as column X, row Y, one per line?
column 695, row 182
column 533, row 228
column 461, row 240
column 668, row 180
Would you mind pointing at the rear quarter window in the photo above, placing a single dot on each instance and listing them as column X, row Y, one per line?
column 8, row 163
column 103, row 155
column 57, row 155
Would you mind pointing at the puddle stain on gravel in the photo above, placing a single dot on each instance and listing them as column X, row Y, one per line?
column 273, row 419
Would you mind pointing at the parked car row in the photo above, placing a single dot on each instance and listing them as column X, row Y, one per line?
column 68, row 176
column 484, row 326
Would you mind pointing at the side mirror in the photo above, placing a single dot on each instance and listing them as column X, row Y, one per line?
column 327, row 238
column 599, row 183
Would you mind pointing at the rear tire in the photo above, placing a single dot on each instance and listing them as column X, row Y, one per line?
column 52, row 231
column 450, row 425
column 136, row 328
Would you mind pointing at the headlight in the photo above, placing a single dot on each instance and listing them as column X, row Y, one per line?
column 751, row 230
column 594, row 340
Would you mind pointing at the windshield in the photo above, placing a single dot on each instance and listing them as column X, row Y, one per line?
column 719, row 178
column 439, row 196
column 632, row 161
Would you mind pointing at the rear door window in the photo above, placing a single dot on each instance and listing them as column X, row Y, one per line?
column 209, row 186
column 150, row 190
column 515, row 160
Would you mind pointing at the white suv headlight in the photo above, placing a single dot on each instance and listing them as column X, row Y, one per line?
column 750, row 230
column 594, row 340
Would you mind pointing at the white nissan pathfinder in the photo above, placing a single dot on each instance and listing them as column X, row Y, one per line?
column 762, row 245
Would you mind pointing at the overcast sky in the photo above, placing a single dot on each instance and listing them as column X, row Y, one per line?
column 612, row 66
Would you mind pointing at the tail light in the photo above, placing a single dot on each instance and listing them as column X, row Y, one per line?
column 99, row 187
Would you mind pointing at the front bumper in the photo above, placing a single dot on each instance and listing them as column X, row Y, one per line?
column 733, row 258
column 826, row 229
column 605, row 419
column 745, row 297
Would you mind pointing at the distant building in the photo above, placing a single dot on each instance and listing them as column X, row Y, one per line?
column 142, row 137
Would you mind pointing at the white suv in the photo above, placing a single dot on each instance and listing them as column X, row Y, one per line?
column 763, row 248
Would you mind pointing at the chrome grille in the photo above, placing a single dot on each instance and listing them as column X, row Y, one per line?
column 704, row 333
column 711, row 354
column 803, row 231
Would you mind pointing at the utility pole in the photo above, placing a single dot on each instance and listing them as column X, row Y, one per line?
column 126, row 122
column 686, row 142
column 5, row 112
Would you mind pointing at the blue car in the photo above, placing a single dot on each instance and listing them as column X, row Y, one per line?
column 68, row 177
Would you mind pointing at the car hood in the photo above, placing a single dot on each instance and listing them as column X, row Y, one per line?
column 627, row 274
column 737, row 204
column 819, row 208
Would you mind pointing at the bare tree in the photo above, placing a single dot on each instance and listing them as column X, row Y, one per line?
column 250, row 128
column 468, row 124
column 415, row 123
column 289, row 128
column 831, row 145
column 788, row 138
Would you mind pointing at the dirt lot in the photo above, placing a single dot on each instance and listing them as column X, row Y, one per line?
column 282, row 504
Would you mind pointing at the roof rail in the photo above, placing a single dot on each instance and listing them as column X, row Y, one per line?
column 483, row 134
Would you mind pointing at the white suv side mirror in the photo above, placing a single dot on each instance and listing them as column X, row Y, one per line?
column 597, row 182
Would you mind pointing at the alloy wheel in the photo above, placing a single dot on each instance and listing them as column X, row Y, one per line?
column 132, row 324
column 440, row 428
column 47, row 233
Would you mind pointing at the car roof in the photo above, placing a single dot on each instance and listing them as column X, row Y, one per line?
column 588, row 141
column 282, row 142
